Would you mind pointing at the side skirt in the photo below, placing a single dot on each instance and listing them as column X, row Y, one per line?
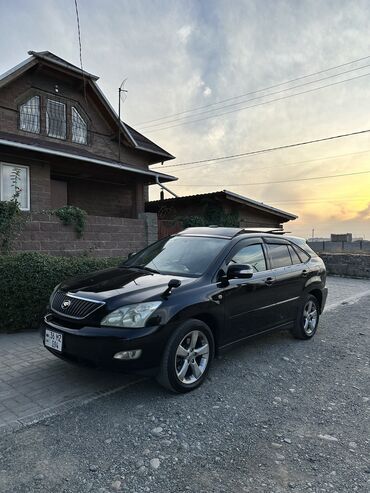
column 231, row 345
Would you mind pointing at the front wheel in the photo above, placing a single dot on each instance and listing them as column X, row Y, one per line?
column 187, row 357
column 307, row 320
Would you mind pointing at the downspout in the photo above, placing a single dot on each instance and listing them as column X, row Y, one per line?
column 163, row 187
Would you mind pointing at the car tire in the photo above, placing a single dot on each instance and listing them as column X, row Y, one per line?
column 187, row 357
column 307, row 320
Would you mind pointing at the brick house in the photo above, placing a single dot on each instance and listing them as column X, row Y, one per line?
column 246, row 212
column 61, row 133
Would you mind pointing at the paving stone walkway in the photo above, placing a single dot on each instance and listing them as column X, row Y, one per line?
column 34, row 383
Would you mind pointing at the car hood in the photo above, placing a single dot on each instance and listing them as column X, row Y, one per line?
column 130, row 283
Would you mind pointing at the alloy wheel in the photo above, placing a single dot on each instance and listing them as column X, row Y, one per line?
column 192, row 357
column 310, row 317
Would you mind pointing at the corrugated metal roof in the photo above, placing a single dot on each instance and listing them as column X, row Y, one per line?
column 231, row 196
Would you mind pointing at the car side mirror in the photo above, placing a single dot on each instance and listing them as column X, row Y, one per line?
column 131, row 254
column 239, row 271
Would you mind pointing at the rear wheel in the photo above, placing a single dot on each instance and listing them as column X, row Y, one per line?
column 308, row 318
column 187, row 357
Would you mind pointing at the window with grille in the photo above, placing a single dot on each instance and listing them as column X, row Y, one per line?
column 29, row 115
column 79, row 127
column 56, row 124
column 14, row 177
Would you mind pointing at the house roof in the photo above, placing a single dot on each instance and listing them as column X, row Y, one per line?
column 234, row 197
column 50, row 148
column 54, row 59
column 136, row 139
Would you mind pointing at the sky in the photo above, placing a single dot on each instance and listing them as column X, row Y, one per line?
column 180, row 55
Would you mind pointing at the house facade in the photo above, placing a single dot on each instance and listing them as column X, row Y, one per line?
column 214, row 208
column 61, row 136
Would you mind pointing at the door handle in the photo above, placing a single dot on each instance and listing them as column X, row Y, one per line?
column 269, row 281
column 304, row 273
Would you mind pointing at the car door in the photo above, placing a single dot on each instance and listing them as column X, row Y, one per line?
column 290, row 276
column 247, row 301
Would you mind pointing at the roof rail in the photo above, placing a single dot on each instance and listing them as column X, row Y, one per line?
column 275, row 231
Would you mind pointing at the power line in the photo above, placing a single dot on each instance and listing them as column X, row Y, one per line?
column 254, row 92
column 319, row 201
column 269, row 149
column 285, row 165
column 80, row 46
column 147, row 127
column 274, row 182
column 259, row 104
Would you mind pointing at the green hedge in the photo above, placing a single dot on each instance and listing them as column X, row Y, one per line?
column 27, row 280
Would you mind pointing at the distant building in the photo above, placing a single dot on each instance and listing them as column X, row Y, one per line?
column 346, row 237
column 216, row 208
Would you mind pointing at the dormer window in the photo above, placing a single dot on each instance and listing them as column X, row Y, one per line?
column 29, row 115
column 56, row 123
column 57, row 118
column 79, row 127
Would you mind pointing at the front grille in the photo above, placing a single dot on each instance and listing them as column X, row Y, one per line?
column 73, row 306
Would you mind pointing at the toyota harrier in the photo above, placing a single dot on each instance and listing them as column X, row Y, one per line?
column 170, row 308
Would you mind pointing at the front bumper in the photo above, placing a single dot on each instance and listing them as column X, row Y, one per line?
column 96, row 346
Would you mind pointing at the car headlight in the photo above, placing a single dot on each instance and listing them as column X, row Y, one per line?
column 134, row 316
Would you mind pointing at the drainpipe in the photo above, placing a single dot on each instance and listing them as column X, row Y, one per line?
column 163, row 187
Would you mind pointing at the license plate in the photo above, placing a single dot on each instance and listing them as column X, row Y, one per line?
column 53, row 340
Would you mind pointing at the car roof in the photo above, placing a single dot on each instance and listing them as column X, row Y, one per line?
column 229, row 233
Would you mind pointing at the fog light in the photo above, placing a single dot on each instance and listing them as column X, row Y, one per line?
column 133, row 354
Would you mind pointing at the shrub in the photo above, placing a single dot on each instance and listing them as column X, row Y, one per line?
column 74, row 216
column 27, row 280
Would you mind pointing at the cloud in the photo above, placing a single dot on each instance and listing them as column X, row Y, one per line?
column 364, row 213
column 183, row 55
column 184, row 33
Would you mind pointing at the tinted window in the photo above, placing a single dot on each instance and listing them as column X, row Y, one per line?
column 293, row 254
column 303, row 255
column 252, row 255
column 279, row 254
column 179, row 255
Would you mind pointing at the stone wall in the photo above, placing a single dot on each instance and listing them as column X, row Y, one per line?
column 103, row 236
column 347, row 264
column 340, row 246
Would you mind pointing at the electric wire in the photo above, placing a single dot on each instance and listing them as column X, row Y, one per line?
column 149, row 127
column 289, row 180
column 258, row 104
column 285, row 165
column 253, row 92
column 268, row 149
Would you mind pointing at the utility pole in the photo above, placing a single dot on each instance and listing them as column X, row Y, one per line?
column 313, row 233
column 120, row 91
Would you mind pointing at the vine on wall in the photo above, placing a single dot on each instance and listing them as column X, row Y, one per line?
column 11, row 217
column 72, row 216
column 212, row 215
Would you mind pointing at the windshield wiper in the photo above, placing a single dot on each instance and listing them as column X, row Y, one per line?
column 143, row 267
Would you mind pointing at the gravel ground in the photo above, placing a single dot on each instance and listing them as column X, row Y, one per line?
column 275, row 415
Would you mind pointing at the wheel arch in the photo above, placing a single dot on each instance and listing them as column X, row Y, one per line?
column 317, row 293
column 212, row 323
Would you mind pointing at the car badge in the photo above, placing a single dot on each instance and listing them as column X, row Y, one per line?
column 66, row 304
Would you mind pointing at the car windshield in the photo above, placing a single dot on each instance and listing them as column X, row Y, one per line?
column 179, row 255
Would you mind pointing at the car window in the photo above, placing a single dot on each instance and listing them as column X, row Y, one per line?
column 294, row 255
column 303, row 255
column 252, row 255
column 179, row 255
column 279, row 255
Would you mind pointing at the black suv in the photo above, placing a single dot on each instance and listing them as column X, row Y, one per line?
column 171, row 307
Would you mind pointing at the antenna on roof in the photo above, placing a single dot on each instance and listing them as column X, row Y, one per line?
column 121, row 90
